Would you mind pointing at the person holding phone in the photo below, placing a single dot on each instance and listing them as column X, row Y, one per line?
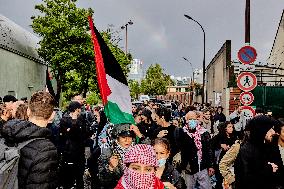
column 166, row 129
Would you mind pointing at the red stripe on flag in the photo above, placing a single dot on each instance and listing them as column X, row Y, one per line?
column 101, row 74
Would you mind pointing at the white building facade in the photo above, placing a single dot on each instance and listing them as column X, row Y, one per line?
column 136, row 70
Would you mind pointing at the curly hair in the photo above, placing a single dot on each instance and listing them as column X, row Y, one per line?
column 42, row 104
column 21, row 112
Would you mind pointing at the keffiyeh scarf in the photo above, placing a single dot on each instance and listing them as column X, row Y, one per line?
column 135, row 180
column 197, row 139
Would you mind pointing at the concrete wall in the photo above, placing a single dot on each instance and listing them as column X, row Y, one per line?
column 276, row 57
column 217, row 76
column 17, row 73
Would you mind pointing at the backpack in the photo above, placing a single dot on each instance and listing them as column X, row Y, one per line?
column 9, row 160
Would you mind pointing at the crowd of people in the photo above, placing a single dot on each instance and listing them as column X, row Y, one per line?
column 184, row 147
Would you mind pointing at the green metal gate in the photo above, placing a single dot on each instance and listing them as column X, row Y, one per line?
column 270, row 98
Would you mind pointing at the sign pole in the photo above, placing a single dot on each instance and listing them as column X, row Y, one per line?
column 247, row 22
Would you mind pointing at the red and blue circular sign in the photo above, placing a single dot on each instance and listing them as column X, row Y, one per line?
column 247, row 54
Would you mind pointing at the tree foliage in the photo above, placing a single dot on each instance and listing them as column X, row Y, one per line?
column 93, row 98
column 155, row 82
column 134, row 87
column 67, row 47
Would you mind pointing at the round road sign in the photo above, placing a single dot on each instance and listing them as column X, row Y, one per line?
column 246, row 81
column 247, row 54
column 248, row 112
column 246, row 98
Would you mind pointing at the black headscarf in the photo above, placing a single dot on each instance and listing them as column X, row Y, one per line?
column 259, row 126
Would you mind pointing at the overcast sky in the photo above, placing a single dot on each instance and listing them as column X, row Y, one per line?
column 161, row 34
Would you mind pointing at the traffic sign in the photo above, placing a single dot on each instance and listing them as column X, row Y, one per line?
column 247, row 54
column 246, row 81
column 248, row 112
column 246, row 98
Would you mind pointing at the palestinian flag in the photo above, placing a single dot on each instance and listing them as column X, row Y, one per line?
column 112, row 82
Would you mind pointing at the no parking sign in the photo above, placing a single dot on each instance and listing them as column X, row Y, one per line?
column 247, row 54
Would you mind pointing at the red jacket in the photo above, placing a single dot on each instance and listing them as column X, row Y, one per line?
column 158, row 184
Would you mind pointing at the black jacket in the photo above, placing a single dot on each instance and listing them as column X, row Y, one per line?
column 108, row 178
column 170, row 136
column 2, row 122
column 189, row 158
column 72, row 142
column 252, row 170
column 147, row 129
column 172, row 176
column 228, row 141
column 38, row 159
column 219, row 117
column 274, row 156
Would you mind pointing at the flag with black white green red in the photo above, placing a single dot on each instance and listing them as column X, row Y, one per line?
column 112, row 82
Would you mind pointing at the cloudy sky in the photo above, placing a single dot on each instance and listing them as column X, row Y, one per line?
column 161, row 34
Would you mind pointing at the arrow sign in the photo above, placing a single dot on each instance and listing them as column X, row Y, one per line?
column 247, row 55
column 246, row 81
column 246, row 98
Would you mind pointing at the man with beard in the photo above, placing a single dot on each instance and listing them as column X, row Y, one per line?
column 252, row 170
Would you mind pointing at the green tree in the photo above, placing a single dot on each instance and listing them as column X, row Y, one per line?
column 134, row 88
column 155, row 82
column 65, row 43
column 67, row 47
column 93, row 98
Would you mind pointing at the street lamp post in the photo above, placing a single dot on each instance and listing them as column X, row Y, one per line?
column 203, row 82
column 126, row 37
column 192, row 81
column 191, row 68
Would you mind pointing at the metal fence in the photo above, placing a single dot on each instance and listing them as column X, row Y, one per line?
column 270, row 98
